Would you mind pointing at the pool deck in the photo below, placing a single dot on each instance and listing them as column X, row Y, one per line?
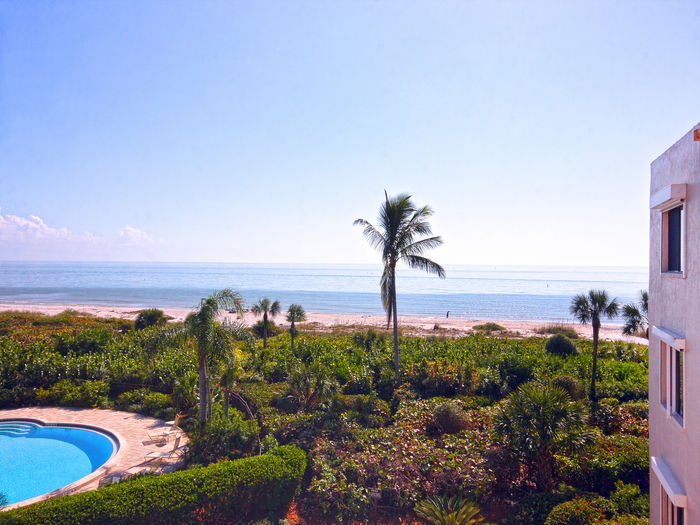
column 130, row 429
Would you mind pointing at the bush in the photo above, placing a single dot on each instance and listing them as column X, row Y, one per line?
column 92, row 341
column 617, row 457
column 578, row 511
column 272, row 329
column 571, row 385
column 439, row 378
column 489, row 327
column 448, row 418
column 534, row 508
column 560, row 345
column 629, row 499
column 247, row 489
column 224, row 439
column 147, row 402
column 85, row 394
column 553, row 329
column 150, row 317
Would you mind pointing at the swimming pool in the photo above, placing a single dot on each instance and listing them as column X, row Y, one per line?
column 37, row 459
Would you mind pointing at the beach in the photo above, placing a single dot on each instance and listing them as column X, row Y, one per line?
column 328, row 322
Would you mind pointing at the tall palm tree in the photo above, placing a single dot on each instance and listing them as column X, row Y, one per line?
column 295, row 314
column 589, row 308
column 210, row 337
column 637, row 315
column 266, row 307
column 402, row 234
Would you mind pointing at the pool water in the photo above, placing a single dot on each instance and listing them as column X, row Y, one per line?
column 35, row 459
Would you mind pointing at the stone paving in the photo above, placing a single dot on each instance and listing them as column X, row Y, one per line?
column 131, row 429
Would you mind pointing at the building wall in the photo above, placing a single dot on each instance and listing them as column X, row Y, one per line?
column 674, row 303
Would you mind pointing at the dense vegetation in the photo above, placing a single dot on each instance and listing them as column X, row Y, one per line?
column 452, row 424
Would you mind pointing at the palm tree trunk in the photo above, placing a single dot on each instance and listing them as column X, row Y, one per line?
column 265, row 330
column 291, row 333
column 203, row 388
column 396, row 321
column 596, row 329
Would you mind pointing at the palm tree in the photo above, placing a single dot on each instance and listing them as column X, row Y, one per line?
column 295, row 314
column 538, row 420
column 589, row 309
column 265, row 307
column 402, row 234
column 637, row 315
column 210, row 337
column 441, row 510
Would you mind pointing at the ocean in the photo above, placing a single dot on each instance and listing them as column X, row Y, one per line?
column 525, row 293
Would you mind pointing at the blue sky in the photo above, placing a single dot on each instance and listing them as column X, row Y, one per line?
column 258, row 131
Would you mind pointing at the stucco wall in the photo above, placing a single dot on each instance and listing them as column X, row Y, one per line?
column 674, row 303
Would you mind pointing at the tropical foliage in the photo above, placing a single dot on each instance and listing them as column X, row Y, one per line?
column 267, row 309
column 636, row 315
column 589, row 308
column 375, row 442
column 403, row 234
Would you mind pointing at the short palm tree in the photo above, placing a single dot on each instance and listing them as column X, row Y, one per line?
column 402, row 234
column 535, row 422
column 589, row 308
column 441, row 510
column 295, row 314
column 266, row 307
column 210, row 337
column 636, row 315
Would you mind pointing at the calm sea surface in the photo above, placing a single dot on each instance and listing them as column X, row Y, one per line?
column 476, row 292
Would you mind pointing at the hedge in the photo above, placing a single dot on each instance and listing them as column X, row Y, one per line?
column 244, row 489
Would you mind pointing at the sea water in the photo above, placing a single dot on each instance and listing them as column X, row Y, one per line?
column 527, row 293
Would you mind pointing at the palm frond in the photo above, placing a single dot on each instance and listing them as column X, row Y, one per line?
column 419, row 247
column 425, row 264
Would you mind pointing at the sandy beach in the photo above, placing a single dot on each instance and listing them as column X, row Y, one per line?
column 325, row 322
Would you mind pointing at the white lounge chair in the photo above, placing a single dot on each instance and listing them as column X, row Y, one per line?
column 176, row 451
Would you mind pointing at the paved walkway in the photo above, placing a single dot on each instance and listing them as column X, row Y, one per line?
column 131, row 429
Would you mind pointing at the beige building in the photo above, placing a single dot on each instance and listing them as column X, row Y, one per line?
column 674, row 335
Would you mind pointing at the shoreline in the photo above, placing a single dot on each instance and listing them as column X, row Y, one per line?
column 325, row 322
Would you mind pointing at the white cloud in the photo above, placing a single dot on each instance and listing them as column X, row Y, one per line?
column 132, row 235
column 30, row 238
column 33, row 229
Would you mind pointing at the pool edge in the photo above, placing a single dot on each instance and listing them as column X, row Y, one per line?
column 93, row 476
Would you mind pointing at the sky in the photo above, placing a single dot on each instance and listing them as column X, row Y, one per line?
column 258, row 131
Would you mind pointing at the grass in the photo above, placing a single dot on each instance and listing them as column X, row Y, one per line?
column 553, row 329
column 489, row 327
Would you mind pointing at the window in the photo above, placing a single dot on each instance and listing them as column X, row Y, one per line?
column 678, row 382
column 670, row 513
column 672, row 260
column 671, row 384
column 663, row 383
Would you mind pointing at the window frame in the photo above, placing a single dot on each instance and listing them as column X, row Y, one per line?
column 664, row 200
column 665, row 239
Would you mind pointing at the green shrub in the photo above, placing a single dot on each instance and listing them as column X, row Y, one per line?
column 272, row 329
column 224, row 439
column 489, row 327
column 571, row 385
column 439, row 378
column 578, row 511
column 369, row 411
column 553, row 329
column 560, row 345
column 150, row 317
column 248, row 488
column 627, row 498
column 616, row 457
column 533, row 509
column 448, row 418
column 144, row 401
column 68, row 393
column 92, row 341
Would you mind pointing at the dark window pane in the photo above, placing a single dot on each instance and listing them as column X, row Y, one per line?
column 679, row 382
column 679, row 516
column 674, row 240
